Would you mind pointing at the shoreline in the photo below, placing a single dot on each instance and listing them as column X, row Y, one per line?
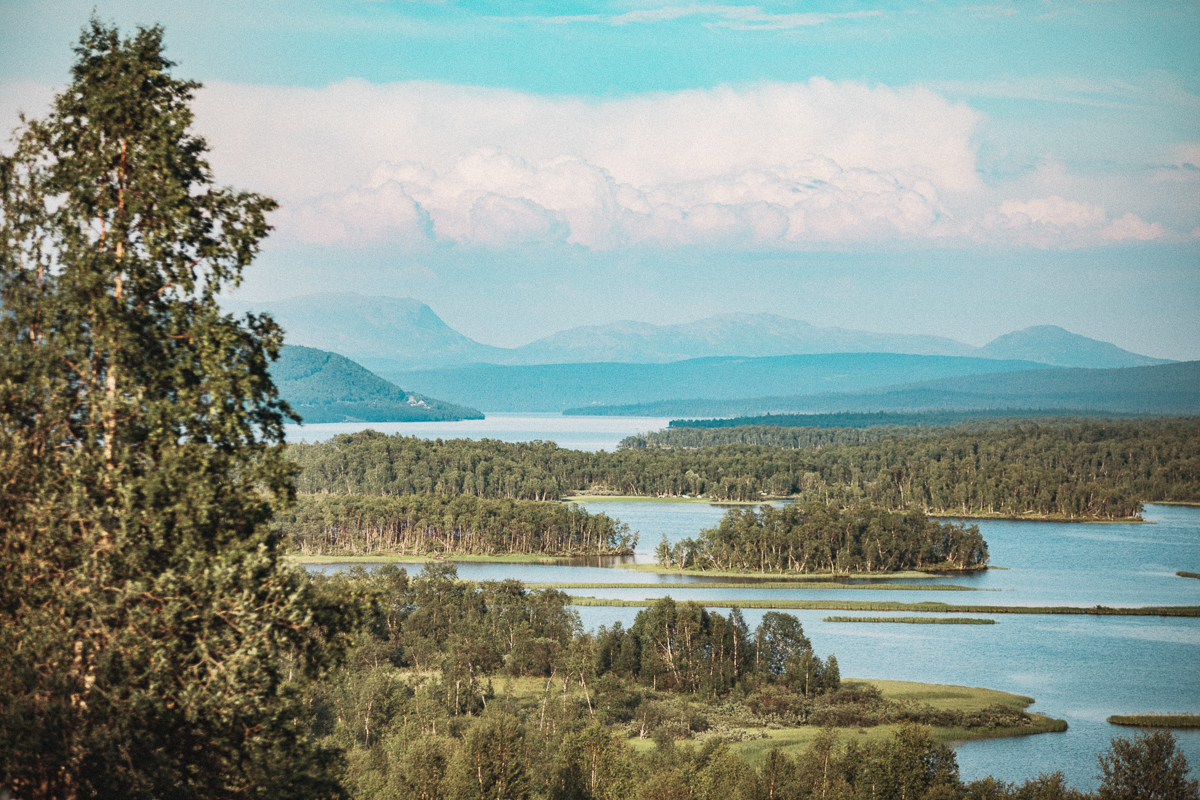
column 994, row 517
column 928, row 608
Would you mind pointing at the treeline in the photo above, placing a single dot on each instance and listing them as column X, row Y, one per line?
column 330, row 524
column 921, row 419
column 818, row 537
column 458, row 690
column 793, row 432
column 1101, row 469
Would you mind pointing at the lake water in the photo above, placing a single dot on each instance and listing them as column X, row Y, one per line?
column 576, row 433
column 1078, row 668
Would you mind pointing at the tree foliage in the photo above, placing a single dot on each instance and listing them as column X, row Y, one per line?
column 150, row 639
column 1100, row 469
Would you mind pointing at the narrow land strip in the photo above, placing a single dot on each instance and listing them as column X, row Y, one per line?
column 936, row 608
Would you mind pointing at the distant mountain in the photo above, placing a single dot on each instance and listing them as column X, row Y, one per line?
column 555, row 387
column 377, row 332
column 390, row 335
column 326, row 387
column 753, row 335
column 1164, row 389
column 1050, row 344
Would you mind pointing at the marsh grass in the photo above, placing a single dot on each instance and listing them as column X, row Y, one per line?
column 916, row 620
column 1157, row 720
column 936, row 608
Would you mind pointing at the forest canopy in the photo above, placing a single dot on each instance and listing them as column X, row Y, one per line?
column 1088, row 470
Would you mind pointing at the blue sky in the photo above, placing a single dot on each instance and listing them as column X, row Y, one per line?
column 957, row 169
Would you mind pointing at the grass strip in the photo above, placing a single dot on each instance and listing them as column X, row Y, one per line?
column 943, row 608
column 917, row 620
column 1157, row 720
column 1185, row 574
column 657, row 569
column 906, row 587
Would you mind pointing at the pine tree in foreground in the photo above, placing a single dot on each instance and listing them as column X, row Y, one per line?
column 152, row 644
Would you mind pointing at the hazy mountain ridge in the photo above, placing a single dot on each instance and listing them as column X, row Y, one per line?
column 1168, row 389
column 392, row 335
column 556, row 387
column 326, row 387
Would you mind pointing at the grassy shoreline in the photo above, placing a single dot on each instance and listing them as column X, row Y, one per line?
column 904, row 587
column 393, row 558
column 932, row 608
column 916, row 620
column 794, row 741
column 1157, row 720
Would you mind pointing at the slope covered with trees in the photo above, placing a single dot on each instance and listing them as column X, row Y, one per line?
column 326, row 387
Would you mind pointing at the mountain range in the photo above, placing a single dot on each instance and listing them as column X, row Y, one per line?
column 389, row 335
column 1163, row 389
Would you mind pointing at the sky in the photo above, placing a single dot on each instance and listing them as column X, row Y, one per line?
column 524, row 167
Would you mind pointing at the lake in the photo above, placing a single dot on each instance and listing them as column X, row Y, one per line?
column 1079, row 668
column 576, row 433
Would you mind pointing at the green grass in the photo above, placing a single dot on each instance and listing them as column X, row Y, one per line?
column 508, row 558
column 962, row 698
column 1158, row 720
column 657, row 569
column 1034, row 516
column 1184, row 574
column 907, row 587
column 943, row 608
column 916, row 620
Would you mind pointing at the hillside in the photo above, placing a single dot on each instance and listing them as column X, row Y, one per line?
column 1161, row 389
column 326, row 387
column 554, row 387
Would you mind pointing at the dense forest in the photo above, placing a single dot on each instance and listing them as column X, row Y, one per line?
column 440, row 525
column 817, row 537
column 461, row 690
column 1098, row 470
column 898, row 419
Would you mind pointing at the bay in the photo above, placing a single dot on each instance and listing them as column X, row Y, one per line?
column 1078, row 668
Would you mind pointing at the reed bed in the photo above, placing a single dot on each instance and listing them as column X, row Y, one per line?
column 917, row 620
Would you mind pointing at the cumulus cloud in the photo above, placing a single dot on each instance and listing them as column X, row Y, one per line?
column 772, row 165
column 1058, row 222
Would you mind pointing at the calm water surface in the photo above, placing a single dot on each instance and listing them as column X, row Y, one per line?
column 576, row 433
column 1081, row 669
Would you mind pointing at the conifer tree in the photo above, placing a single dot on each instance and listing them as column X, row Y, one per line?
column 152, row 643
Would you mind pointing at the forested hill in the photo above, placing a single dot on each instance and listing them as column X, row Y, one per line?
column 1097, row 470
column 554, row 387
column 326, row 387
column 1165, row 389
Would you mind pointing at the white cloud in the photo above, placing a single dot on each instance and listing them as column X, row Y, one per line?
column 1131, row 226
column 1052, row 211
column 769, row 166
column 1057, row 222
